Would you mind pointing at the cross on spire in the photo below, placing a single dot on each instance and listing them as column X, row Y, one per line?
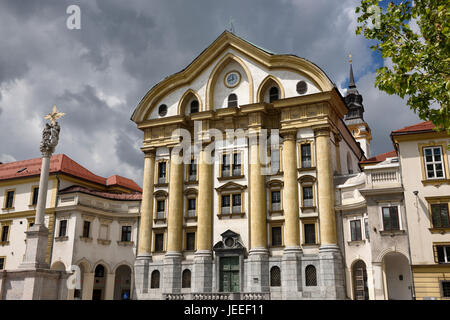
column 231, row 25
column 54, row 115
column 351, row 83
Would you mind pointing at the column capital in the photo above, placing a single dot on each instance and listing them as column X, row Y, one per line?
column 322, row 131
column 149, row 153
column 290, row 134
column 337, row 136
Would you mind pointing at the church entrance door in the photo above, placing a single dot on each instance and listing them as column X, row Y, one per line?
column 229, row 274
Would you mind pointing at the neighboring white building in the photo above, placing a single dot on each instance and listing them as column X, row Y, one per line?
column 92, row 222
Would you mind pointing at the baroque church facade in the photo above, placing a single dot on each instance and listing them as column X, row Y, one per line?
column 240, row 227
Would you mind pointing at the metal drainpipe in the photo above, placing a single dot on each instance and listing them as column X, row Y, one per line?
column 413, row 291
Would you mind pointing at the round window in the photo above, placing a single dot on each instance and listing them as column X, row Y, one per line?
column 162, row 111
column 229, row 242
column 302, row 87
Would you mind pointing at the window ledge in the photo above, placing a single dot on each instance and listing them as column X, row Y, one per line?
column 435, row 181
column 103, row 241
column 280, row 246
column 85, row 239
column 62, row 238
column 313, row 208
column 440, row 230
column 391, row 233
column 4, row 243
column 276, row 212
column 230, row 177
column 163, row 220
column 231, row 215
column 125, row 243
column 356, row 242
column 159, row 185
column 159, row 252
column 191, row 182
column 310, row 245
column 11, row 208
column 190, row 219
column 306, row 169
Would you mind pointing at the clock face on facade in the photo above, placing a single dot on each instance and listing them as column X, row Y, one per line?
column 232, row 79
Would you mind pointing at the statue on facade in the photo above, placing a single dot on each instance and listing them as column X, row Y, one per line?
column 50, row 134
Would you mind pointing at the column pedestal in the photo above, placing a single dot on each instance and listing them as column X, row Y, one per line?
column 141, row 274
column 36, row 248
column 258, row 270
column 203, row 271
column 172, row 272
column 291, row 273
column 331, row 275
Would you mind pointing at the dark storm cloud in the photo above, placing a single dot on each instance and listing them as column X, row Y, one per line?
column 98, row 75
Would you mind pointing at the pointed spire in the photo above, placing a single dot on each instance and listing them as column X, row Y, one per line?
column 351, row 83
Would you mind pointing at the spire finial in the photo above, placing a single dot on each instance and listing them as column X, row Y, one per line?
column 351, row 83
column 231, row 25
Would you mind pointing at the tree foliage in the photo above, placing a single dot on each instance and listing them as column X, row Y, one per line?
column 415, row 35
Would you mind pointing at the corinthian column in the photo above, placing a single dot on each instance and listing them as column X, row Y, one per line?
column 172, row 260
column 331, row 267
column 258, row 265
column 203, row 255
column 291, row 261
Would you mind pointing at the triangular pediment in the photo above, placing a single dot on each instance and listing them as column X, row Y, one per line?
column 230, row 186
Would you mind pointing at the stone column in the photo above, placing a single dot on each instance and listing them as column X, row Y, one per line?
column 337, row 140
column 331, row 267
column 172, row 259
column 109, row 286
column 37, row 235
column 258, row 264
column 378, row 281
column 144, row 255
column 291, row 275
column 203, row 256
column 88, row 285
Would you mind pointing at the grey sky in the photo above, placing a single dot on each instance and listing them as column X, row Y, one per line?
column 98, row 75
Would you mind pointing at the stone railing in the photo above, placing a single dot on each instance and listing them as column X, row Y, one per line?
column 255, row 296
column 211, row 296
column 174, row 296
column 218, row 296
column 383, row 177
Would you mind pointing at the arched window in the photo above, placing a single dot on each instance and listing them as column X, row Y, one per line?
column 194, row 106
column 310, row 276
column 349, row 163
column 99, row 271
column 232, row 100
column 186, row 279
column 360, row 288
column 155, row 280
column 273, row 94
column 275, row 277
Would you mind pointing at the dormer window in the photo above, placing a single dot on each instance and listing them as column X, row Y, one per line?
column 273, row 94
column 232, row 100
column 194, row 106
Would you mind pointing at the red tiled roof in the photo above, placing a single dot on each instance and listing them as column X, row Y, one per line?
column 103, row 194
column 380, row 157
column 424, row 126
column 123, row 182
column 60, row 163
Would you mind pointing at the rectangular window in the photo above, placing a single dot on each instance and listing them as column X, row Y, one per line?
column 445, row 289
column 276, row 200
column 390, row 218
column 9, row 199
column 161, row 172
column 307, row 196
column 191, row 207
column 355, row 227
column 276, row 236
column 190, row 241
column 226, row 166
column 62, row 228
column 159, row 242
column 306, row 155
column 35, row 196
column 237, row 203
column 439, row 213
column 434, row 164
column 160, row 208
column 443, row 253
column 226, row 204
column 126, row 234
column 2, row 263
column 5, row 231
column 86, row 229
column 236, row 164
column 310, row 233
column 366, row 228
column 275, row 161
column 192, row 171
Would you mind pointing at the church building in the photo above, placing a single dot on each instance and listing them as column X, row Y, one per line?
column 243, row 226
